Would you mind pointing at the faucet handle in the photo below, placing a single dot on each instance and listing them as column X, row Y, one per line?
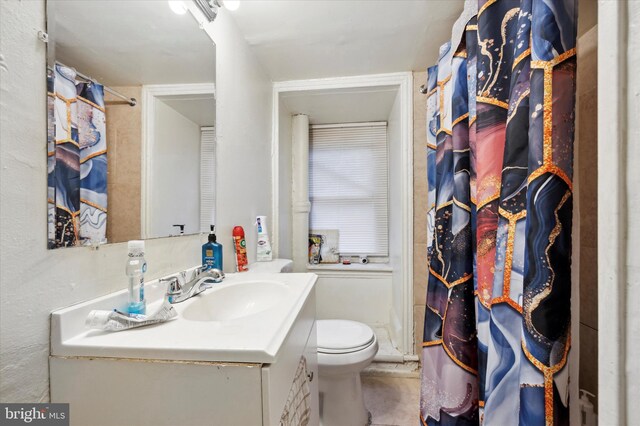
column 216, row 274
column 173, row 286
column 199, row 271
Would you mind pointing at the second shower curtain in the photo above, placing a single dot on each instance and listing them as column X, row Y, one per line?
column 77, row 160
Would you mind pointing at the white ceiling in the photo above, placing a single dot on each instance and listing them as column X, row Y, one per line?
column 342, row 106
column 201, row 109
column 302, row 39
column 130, row 42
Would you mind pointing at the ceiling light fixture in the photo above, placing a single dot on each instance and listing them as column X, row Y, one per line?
column 178, row 7
column 231, row 4
column 209, row 8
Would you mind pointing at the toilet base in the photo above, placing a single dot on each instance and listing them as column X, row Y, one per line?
column 341, row 401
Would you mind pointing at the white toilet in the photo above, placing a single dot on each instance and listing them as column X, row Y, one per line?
column 345, row 348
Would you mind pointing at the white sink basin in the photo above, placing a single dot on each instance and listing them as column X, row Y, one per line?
column 236, row 301
column 246, row 318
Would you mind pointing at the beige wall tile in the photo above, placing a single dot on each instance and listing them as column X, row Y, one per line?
column 419, row 165
column 420, row 208
column 588, row 15
column 588, row 221
column 124, row 209
column 587, row 174
column 420, row 193
column 420, row 159
column 418, row 324
column 420, row 275
column 420, row 185
column 587, row 129
column 126, row 152
column 420, row 222
column 419, row 78
column 589, row 286
column 420, row 190
column 124, row 140
column 588, row 169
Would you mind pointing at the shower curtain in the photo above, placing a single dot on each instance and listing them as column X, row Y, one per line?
column 500, row 128
column 77, row 160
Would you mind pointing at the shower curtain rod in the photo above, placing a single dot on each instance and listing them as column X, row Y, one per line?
column 129, row 101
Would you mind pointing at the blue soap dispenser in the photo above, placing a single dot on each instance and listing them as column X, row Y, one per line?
column 212, row 252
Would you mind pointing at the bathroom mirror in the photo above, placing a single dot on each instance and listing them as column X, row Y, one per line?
column 131, row 121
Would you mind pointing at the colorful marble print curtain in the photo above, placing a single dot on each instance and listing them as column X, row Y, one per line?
column 77, row 160
column 500, row 113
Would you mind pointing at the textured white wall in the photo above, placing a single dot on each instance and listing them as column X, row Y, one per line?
column 618, row 212
column 340, row 295
column 394, row 141
column 633, row 209
column 33, row 280
column 300, row 202
column 243, row 108
column 285, row 202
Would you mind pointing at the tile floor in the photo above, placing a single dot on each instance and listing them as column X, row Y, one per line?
column 392, row 401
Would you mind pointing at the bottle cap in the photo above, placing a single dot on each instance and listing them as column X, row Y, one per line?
column 212, row 236
column 136, row 247
column 238, row 231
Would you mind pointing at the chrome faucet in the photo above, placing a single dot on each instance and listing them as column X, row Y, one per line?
column 179, row 290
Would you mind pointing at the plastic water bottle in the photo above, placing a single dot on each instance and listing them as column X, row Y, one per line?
column 136, row 267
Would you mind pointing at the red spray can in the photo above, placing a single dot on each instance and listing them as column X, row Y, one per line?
column 240, row 247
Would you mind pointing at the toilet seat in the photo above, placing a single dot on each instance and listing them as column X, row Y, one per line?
column 343, row 336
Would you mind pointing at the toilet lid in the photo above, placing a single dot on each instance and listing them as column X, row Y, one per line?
column 341, row 336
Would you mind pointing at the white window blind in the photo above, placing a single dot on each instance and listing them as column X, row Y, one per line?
column 207, row 178
column 348, row 185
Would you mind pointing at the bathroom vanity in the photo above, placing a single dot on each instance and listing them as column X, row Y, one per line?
column 241, row 353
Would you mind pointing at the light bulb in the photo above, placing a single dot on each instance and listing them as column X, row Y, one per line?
column 177, row 7
column 232, row 4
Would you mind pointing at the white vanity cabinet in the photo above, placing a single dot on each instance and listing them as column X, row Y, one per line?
column 277, row 378
column 106, row 389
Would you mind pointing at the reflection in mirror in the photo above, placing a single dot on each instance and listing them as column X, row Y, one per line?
column 131, row 116
column 178, row 119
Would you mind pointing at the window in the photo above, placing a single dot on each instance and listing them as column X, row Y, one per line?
column 207, row 178
column 348, row 185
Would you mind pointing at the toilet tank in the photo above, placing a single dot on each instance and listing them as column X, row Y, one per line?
column 275, row 266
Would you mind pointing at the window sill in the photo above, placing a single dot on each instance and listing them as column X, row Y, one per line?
column 354, row 267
